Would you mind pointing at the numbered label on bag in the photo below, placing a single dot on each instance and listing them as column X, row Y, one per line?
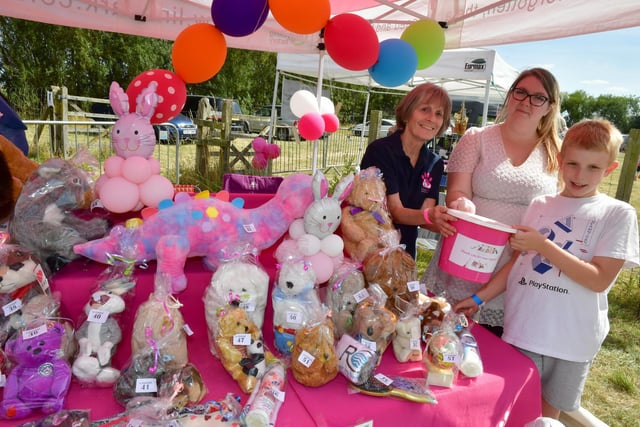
column 294, row 317
column 146, row 385
column 361, row 295
column 12, row 307
column 97, row 316
column 28, row 334
column 242, row 339
column 413, row 286
column 306, row 358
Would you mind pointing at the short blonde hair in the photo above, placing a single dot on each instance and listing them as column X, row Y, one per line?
column 424, row 93
column 596, row 135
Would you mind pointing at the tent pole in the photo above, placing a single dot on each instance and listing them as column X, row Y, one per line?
column 485, row 108
column 272, row 120
column 314, row 164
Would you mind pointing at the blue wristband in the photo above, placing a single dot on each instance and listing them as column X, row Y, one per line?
column 477, row 300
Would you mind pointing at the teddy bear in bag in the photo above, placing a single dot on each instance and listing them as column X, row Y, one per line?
column 345, row 290
column 365, row 217
column 41, row 377
column 313, row 360
column 295, row 302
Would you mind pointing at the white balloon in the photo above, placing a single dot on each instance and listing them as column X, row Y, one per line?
column 326, row 106
column 303, row 102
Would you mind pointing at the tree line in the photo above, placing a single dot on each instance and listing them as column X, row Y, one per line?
column 35, row 56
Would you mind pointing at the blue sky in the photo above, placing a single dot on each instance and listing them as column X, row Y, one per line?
column 599, row 63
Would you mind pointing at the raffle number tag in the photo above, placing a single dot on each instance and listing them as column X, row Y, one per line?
column 12, row 307
column 306, row 358
column 249, row 228
column 450, row 358
column 294, row 317
column 146, row 385
column 383, row 379
column 28, row 334
column 134, row 423
column 361, row 295
column 41, row 278
column 248, row 306
column 365, row 424
column 187, row 329
column 414, row 344
column 278, row 394
column 371, row 345
column 413, row 285
column 97, row 316
column 3, row 380
column 242, row 339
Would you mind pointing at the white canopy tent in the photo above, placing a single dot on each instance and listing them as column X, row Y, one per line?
column 469, row 74
column 470, row 23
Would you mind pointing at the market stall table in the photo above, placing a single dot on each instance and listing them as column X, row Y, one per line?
column 508, row 393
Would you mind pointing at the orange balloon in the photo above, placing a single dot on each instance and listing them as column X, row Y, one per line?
column 199, row 52
column 301, row 17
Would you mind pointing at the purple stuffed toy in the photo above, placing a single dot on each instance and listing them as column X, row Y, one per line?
column 41, row 378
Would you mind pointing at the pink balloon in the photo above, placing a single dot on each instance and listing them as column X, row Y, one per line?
column 113, row 166
column 156, row 189
column 331, row 122
column 259, row 144
column 99, row 183
column 136, row 169
column 119, row 195
column 259, row 161
column 155, row 165
column 311, row 126
column 273, row 151
column 322, row 265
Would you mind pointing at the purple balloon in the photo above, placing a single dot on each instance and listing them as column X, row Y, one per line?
column 239, row 18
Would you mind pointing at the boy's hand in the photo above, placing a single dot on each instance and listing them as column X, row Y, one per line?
column 526, row 239
column 466, row 306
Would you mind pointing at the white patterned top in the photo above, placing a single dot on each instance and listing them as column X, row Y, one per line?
column 501, row 191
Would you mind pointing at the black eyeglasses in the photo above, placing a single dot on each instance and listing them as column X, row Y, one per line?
column 535, row 99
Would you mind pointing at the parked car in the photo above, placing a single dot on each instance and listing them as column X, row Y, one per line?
column 385, row 125
column 167, row 134
column 238, row 124
column 261, row 119
column 625, row 142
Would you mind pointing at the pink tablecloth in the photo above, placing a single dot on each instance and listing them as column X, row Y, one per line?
column 508, row 393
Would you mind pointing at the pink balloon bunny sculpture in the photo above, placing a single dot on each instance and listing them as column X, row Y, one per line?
column 131, row 178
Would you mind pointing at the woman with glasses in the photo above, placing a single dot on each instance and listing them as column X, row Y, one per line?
column 497, row 170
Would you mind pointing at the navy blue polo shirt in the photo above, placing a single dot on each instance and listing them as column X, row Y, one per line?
column 414, row 185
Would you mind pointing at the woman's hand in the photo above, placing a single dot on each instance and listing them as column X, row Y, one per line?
column 463, row 204
column 439, row 217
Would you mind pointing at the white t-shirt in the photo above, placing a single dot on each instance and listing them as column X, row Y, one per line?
column 545, row 311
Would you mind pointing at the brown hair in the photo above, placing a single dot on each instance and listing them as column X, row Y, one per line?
column 594, row 135
column 548, row 126
column 418, row 95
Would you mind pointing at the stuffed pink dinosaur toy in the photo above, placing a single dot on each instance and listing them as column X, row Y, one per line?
column 203, row 227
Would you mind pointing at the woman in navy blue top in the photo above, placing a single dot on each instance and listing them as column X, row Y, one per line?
column 411, row 172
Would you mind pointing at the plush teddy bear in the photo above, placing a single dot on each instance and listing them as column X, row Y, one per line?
column 295, row 301
column 406, row 340
column 22, row 282
column 240, row 346
column 374, row 323
column 40, row 379
column 97, row 340
column 365, row 216
column 16, row 167
column 394, row 270
column 432, row 311
column 241, row 283
column 141, row 377
column 314, row 361
column 45, row 222
column 343, row 294
column 159, row 319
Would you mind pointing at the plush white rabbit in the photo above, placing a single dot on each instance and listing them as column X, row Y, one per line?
column 312, row 237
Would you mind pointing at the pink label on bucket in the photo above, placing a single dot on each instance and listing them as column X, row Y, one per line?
column 475, row 255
